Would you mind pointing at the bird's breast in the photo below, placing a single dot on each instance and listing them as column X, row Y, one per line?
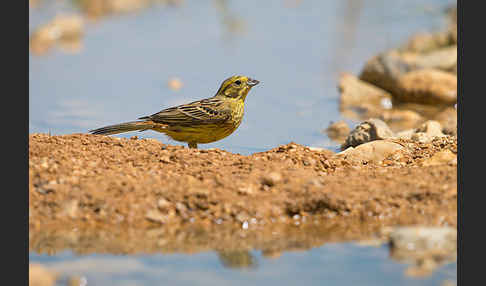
column 237, row 114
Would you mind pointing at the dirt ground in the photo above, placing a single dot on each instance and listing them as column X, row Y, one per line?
column 123, row 186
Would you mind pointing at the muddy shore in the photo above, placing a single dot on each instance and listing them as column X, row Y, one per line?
column 100, row 183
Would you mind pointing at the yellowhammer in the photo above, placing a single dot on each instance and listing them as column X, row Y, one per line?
column 202, row 121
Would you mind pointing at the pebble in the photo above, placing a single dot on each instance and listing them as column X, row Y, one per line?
column 368, row 130
column 271, row 179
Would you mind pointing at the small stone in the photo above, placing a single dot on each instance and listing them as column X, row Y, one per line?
column 271, row 179
column 441, row 158
column 374, row 151
column 427, row 132
column 181, row 207
column 316, row 149
column 71, row 208
column 246, row 190
column 431, row 127
column 421, row 137
column 155, row 216
column 369, row 130
column 163, row 205
column 244, row 225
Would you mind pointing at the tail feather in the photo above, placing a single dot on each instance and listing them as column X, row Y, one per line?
column 123, row 127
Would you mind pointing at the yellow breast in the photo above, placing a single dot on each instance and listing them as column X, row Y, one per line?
column 210, row 132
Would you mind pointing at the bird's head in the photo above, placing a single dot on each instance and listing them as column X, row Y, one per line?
column 237, row 87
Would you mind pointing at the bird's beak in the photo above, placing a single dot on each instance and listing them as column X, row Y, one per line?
column 252, row 82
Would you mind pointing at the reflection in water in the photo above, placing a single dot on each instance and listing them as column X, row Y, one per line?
column 171, row 248
column 233, row 25
column 368, row 265
column 234, row 247
column 96, row 9
column 237, row 259
column 65, row 30
column 346, row 31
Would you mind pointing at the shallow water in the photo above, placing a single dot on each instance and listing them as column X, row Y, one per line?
column 330, row 264
column 295, row 48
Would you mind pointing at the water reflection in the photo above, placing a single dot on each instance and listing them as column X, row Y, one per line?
column 97, row 9
column 237, row 259
column 338, row 264
column 235, row 248
column 232, row 23
column 66, row 31
column 346, row 32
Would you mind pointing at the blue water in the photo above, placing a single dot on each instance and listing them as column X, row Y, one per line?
column 295, row 48
column 331, row 264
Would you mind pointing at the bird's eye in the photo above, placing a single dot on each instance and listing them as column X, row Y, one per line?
column 238, row 82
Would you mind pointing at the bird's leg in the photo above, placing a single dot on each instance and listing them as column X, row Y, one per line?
column 192, row 145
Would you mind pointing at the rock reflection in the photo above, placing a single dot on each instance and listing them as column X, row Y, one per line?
column 233, row 25
column 237, row 259
column 424, row 248
column 97, row 9
column 346, row 32
column 432, row 247
column 193, row 238
column 67, row 31
column 64, row 30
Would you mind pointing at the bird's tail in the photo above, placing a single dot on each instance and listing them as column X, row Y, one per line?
column 124, row 127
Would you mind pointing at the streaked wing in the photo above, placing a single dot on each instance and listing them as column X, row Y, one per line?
column 204, row 111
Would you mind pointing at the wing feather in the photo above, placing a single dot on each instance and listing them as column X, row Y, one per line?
column 206, row 111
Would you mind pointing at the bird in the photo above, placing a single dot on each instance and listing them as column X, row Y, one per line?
column 199, row 122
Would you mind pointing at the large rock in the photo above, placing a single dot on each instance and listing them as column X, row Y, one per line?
column 431, row 128
column 368, row 130
column 384, row 70
column 398, row 72
column 427, row 86
column 374, row 151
